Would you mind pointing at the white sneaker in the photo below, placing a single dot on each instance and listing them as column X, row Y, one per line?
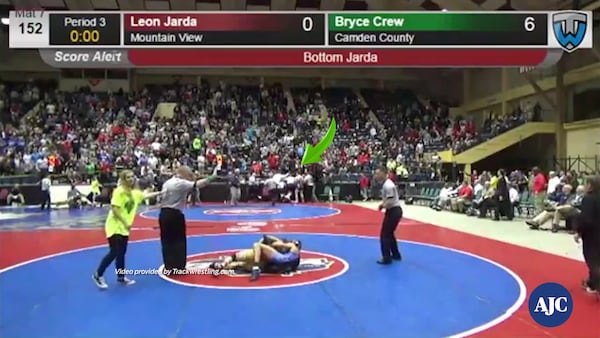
column 100, row 282
column 126, row 281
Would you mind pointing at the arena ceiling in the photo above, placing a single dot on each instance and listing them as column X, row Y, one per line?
column 284, row 5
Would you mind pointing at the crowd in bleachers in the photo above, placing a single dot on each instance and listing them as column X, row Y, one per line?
column 547, row 201
column 251, row 128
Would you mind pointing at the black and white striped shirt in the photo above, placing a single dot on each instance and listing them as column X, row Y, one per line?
column 389, row 193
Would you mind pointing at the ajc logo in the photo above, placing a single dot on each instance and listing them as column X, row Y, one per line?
column 550, row 305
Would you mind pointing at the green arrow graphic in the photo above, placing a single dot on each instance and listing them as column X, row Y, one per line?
column 312, row 154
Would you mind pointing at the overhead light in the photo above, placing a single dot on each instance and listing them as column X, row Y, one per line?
column 5, row 21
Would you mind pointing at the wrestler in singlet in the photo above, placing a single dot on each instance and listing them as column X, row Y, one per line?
column 286, row 259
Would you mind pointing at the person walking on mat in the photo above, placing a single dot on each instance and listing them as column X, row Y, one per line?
column 124, row 203
column 171, row 219
column 393, row 214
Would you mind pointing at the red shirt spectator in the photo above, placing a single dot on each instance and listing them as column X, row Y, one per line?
column 364, row 182
column 257, row 167
column 116, row 130
column 103, row 138
column 66, row 128
column 67, row 146
column 363, row 158
column 474, row 177
column 466, row 192
column 273, row 161
column 346, row 125
column 539, row 183
column 105, row 167
column 210, row 156
column 471, row 129
column 363, row 145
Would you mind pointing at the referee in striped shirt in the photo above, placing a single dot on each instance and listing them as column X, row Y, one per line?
column 393, row 214
column 171, row 219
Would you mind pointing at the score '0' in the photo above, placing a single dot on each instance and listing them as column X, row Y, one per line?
column 529, row 24
column 307, row 24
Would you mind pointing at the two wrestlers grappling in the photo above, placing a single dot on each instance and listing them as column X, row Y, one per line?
column 269, row 255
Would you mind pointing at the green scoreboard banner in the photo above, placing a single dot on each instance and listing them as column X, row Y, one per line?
column 567, row 30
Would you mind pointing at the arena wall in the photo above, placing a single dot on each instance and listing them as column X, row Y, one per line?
column 584, row 101
column 487, row 82
column 583, row 138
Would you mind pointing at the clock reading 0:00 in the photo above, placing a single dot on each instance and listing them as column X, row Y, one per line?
column 84, row 36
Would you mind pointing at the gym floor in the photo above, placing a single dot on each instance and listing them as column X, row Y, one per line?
column 460, row 277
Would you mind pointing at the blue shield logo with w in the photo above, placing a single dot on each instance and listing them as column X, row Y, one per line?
column 569, row 29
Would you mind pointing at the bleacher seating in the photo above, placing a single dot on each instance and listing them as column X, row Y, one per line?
column 246, row 124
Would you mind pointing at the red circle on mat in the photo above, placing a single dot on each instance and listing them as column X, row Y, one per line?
column 315, row 267
column 242, row 211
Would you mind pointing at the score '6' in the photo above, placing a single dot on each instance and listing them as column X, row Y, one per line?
column 529, row 24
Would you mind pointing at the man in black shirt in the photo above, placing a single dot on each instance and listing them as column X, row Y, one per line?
column 588, row 230
column 504, row 207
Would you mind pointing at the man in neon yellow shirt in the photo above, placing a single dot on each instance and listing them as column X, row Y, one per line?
column 494, row 181
column 96, row 189
column 125, row 202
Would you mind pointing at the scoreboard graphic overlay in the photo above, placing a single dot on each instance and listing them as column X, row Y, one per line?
column 296, row 39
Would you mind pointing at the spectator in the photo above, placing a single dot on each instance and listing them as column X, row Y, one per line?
column 15, row 198
column 504, row 206
column 539, row 186
column 464, row 198
column 309, row 183
column 328, row 186
column 488, row 201
column 478, row 190
column 96, row 189
column 553, row 182
column 561, row 206
column 84, row 134
column 514, row 197
column 75, row 199
column 364, row 186
column 442, row 201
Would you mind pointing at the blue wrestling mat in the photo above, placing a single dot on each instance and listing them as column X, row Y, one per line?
column 259, row 212
column 340, row 292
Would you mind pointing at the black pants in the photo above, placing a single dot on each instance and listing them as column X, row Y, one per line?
column 253, row 193
column 591, row 254
column 173, row 238
column 46, row 200
column 118, row 247
column 274, row 195
column 486, row 205
column 387, row 239
column 505, row 209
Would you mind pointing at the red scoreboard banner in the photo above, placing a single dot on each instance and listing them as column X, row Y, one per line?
column 337, row 57
column 302, row 57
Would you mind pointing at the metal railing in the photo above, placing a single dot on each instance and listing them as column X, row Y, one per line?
column 590, row 164
column 422, row 189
